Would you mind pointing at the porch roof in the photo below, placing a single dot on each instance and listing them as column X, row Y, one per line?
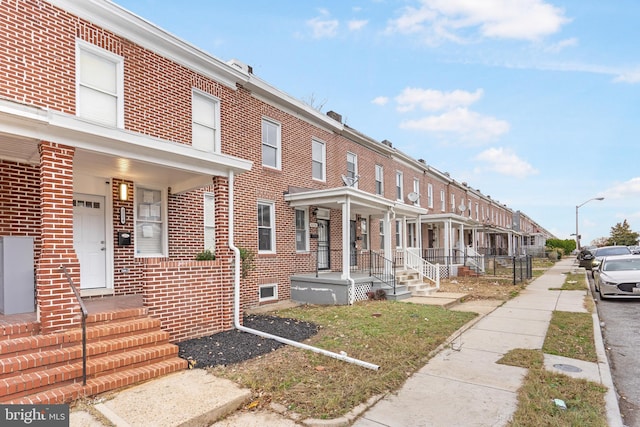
column 361, row 202
column 110, row 152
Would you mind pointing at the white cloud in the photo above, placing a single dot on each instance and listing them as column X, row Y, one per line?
column 461, row 121
column 561, row 45
column 380, row 100
column 505, row 162
column 625, row 190
column 435, row 100
column 628, row 77
column 356, row 25
column 504, row 19
column 322, row 26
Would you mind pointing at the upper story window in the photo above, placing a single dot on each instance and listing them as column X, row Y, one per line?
column 379, row 180
column 416, row 189
column 399, row 189
column 477, row 211
column 266, row 227
column 443, row 202
column 205, row 113
column 271, row 144
column 318, row 160
column 352, row 169
column 302, row 231
column 430, row 196
column 99, row 85
column 470, row 207
column 209, row 223
column 453, row 203
column 150, row 224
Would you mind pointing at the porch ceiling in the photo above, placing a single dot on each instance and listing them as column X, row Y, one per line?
column 110, row 152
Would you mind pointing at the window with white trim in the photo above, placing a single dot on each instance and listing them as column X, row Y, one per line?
column 477, row 211
column 209, row 223
column 398, row 233
column 318, row 160
column 99, row 85
column 443, row 202
column 352, row 169
column 430, row 196
column 470, row 206
column 271, row 143
column 205, row 115
column 268, row 292
column 364, row 233
column 399, row 189
column 453, row 203
column 381, row 234
column 266, row 227
column 416, row 189
column 302, row 231
column 379, row 180
column 150, row 225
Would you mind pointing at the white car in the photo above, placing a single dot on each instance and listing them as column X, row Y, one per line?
column 618, row 276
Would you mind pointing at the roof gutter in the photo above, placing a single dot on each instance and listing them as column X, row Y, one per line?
column 236, row 300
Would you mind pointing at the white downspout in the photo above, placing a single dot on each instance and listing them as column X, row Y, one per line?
column 236, row 301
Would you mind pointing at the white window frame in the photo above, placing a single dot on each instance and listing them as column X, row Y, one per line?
column 118, row 61
column 364, row 233
column 214, row 102
column 352, row 159
column 209, row 221
column 470, row 208
column 477, row 211
column 443, row 201
column 416, row 189
column 399, row 186
column 304, row 231
column 322, row 161
column 453, row 203
column 277, row 145
column 430, row 196
column 271, row 298
column 272, row 226
column 380, row 180
column 398, row 233
column 381, row 225
column 143, row 204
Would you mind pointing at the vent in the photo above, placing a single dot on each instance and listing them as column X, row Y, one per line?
column 387, row 143
column 335, row 116
column 240, row 66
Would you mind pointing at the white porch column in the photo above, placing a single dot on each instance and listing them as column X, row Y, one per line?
column 419, row 231
column 461, row 244
column 447, row 237
column 388, row 250
column 346, row 233
column 510, row 243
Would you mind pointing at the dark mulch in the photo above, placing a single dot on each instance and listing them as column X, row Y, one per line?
column 233, row 346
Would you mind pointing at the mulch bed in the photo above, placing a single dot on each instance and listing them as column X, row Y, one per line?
column 229, row 347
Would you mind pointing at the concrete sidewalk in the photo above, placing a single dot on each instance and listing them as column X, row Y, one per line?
column 461, row 386
column 464, row 386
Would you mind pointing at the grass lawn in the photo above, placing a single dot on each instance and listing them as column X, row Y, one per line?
column 399, row 337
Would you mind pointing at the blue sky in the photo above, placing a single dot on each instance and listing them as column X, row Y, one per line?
column 535, row 103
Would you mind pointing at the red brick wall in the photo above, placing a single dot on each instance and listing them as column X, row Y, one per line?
column 20, row 201
column 191, row 298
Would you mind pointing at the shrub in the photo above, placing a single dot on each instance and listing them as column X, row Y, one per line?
column 206, row 255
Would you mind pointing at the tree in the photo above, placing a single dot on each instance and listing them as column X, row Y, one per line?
column 621, row 234
column 600, row 241
column 567, row 245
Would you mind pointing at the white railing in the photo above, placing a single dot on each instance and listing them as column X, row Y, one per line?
column 426, row 270
column 474, row 259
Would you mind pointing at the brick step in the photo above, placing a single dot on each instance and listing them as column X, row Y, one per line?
column 117, row 315
column 23, row 384
column 71, row 392
column 38, row 343
column 18, row 330
column 51, row 357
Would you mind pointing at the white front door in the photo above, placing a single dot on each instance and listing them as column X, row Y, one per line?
column 89, row 239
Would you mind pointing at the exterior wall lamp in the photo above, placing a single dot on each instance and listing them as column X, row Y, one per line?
column 123, row 192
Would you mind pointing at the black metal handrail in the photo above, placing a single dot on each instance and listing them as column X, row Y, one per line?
column 383, row 269
column 85, row 313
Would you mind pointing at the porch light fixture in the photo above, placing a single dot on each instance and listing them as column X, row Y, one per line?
column 124, row 192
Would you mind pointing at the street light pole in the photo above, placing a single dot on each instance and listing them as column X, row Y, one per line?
column 578, row 207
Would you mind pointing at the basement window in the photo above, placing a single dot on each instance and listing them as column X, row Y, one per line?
column 268, row 292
